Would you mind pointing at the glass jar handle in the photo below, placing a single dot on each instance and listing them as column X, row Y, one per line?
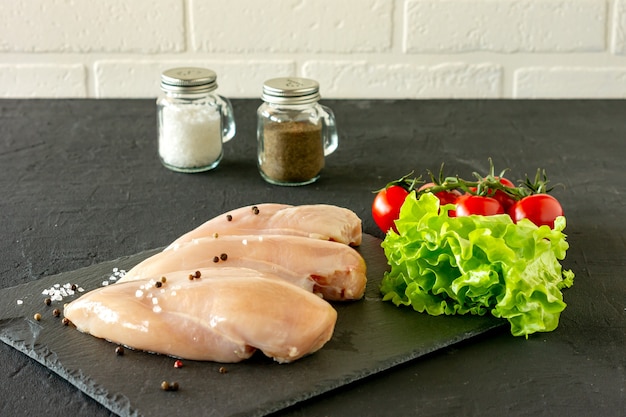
column 228, row 118
column 329, row 131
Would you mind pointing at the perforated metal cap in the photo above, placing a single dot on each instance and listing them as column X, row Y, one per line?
column 188, row 80
column 291, row 90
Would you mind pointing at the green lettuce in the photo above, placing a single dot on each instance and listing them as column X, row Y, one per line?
column 476, row 265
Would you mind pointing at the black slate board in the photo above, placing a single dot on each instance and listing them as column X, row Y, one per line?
column 370, row 336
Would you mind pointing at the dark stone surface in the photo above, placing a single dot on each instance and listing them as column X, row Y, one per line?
column 81, row 184
column 370, row 336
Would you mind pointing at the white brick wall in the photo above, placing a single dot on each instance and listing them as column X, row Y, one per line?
column 505, row 26
column 354, row 48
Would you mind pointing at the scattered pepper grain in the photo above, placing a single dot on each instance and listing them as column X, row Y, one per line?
column 37, row 316
column 169, row 386
column 65, row 321
column 229, row 217
column 223, row 256
column 47, row 301
column 119, row 351
column 255, row 210
column 198, row 274
column 158, row 284
column 216, row 259
column 56, row 312
column 163, row 280
column 222, row 370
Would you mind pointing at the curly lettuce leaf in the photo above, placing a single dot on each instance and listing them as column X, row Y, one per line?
column 476, row 265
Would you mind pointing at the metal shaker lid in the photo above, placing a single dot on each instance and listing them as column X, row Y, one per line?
column 189, row 80
column 291, row 90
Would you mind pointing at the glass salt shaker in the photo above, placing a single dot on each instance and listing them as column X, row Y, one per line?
column 193, row 121
column 294, row 132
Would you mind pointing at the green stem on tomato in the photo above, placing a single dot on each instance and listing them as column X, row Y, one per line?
column 482, row 185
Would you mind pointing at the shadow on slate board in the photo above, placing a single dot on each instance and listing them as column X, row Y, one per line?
column 370, row 336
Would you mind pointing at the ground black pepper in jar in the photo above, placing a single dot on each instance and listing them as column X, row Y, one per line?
column 294, row 132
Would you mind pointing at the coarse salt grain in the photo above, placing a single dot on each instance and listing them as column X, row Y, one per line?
column 57, row 291
column 117, row 274
column 20, row 302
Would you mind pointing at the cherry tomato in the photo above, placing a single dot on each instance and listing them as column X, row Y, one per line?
column 505, row 181
column 445, row 197
column 503, row 198
column 386, row 206
column 468, row 204
column 541, row 209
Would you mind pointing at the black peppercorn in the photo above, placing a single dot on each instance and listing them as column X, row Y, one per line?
column 169, row 386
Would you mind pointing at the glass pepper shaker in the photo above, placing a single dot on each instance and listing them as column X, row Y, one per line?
column 193, row 121
column 294, row 132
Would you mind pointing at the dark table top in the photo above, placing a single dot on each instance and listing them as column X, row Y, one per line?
column 81, row 183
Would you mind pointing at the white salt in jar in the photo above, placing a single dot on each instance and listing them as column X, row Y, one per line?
column 193, row 121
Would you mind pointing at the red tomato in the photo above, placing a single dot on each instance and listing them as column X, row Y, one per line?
column 386, row 207
column 538, row 208
column 468, row 204
column 505, row 200
column 445, row 197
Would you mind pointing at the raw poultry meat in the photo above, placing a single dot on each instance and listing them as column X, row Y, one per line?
column 319, row 221
column 335, row 271
column 223, row 315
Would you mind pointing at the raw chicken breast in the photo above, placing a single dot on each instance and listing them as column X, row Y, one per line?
column 335, row 271
column 319, row 221
column 223, row 316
